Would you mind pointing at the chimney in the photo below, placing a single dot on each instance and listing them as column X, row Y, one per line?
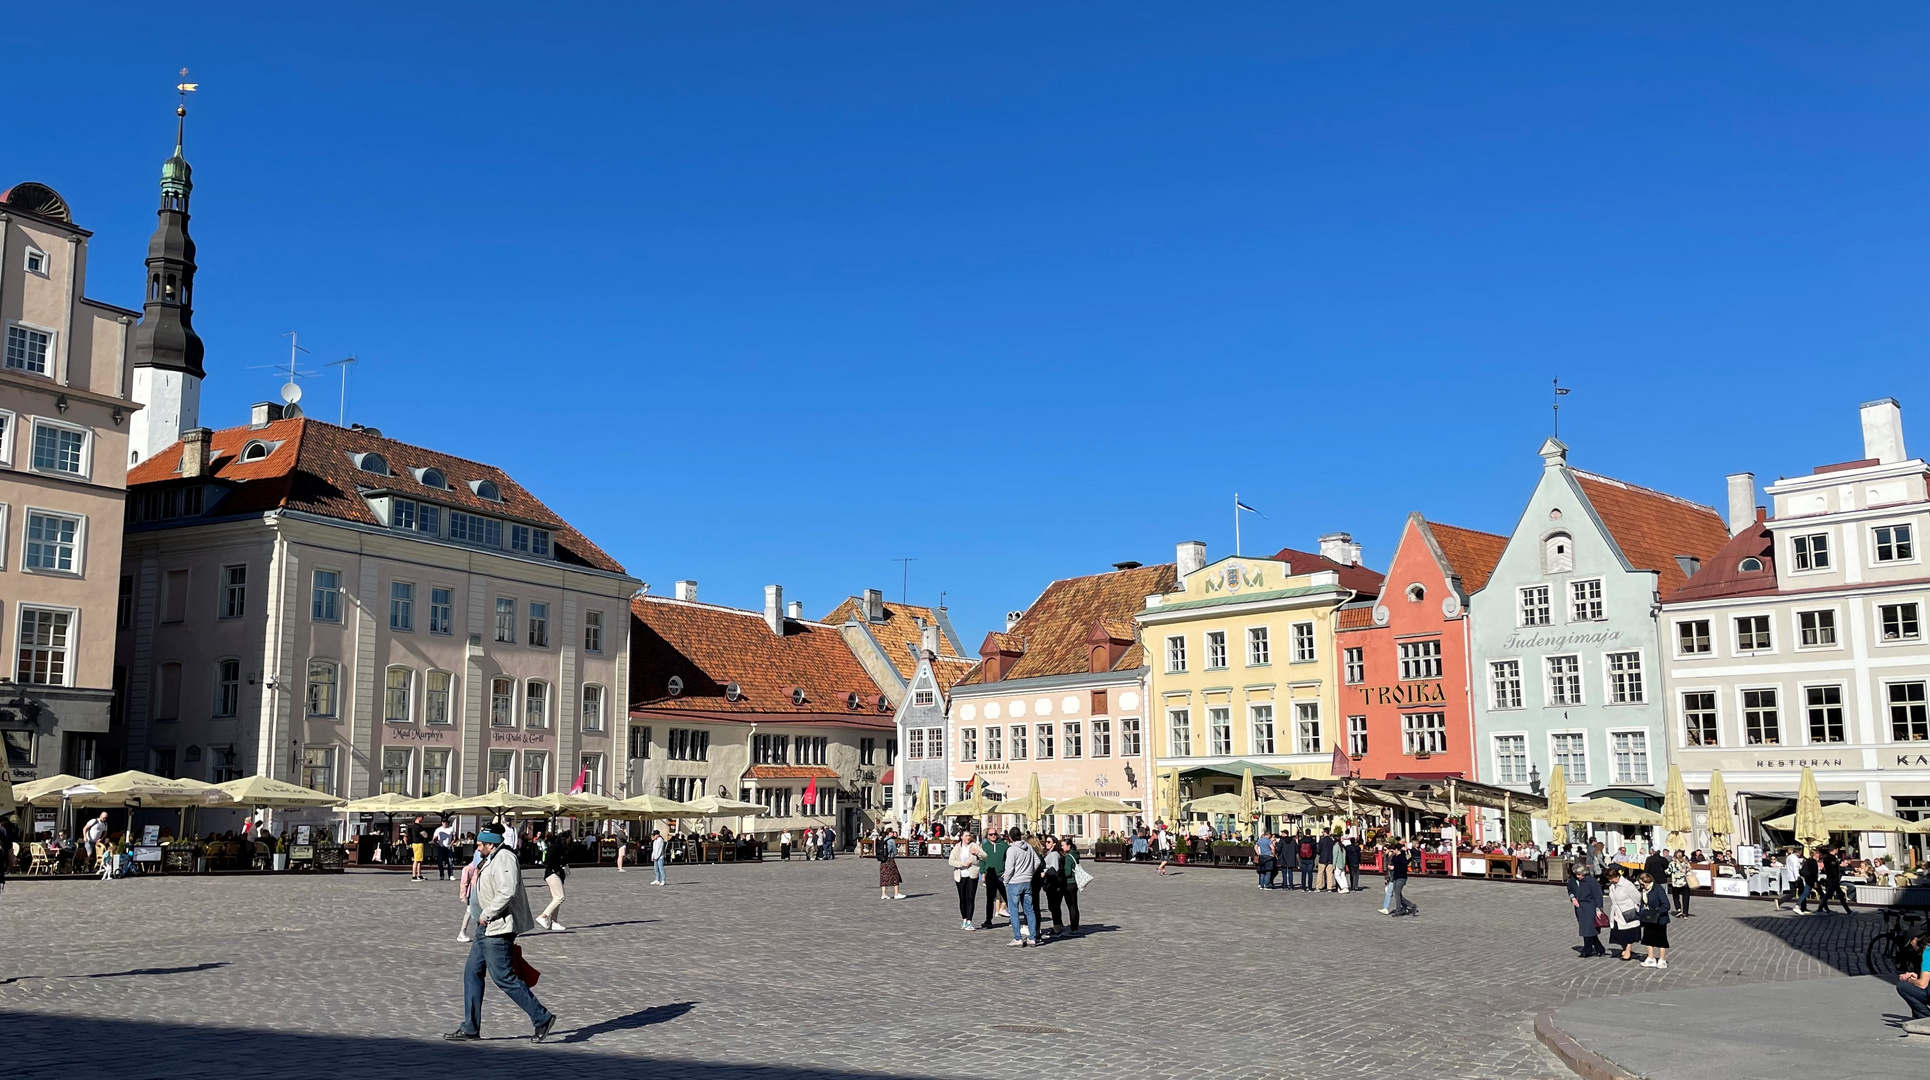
column 1012, row 620
column 874, row 605
column 928, row 638
column 1340, row 547
column 1192, row 556
column 774, row 608
column 796, row 610
column 687, row 590
column 1742, row 502
column 1883, row 430
column 263, row 413
column 194, row 451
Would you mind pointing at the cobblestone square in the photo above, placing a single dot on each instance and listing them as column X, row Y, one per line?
column 797, row 970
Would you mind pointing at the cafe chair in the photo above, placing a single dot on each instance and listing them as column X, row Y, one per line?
column 40, row 864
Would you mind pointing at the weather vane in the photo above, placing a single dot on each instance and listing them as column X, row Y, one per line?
column 1560, row 392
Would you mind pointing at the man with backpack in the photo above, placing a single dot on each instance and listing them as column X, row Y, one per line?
column 1307, row 851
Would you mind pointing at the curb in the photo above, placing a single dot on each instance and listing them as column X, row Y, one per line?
column 1585, row 1062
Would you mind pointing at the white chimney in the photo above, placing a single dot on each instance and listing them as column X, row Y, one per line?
column 1192, row 556
column 774, row 608
column 1340, row 547
column 796, row 610
column 687, row 590
column 874, row 605
column 1883, row 430
column 1742, row 502
column 263, row 413
column 1012, row 620
column 928, row 634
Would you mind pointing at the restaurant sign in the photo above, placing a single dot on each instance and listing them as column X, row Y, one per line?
column 1418, row 693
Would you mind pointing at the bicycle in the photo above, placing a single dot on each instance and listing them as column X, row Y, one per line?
column 1887, row 952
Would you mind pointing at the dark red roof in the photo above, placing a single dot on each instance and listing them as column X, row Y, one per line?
column 1358, row 578
column 1722, row 574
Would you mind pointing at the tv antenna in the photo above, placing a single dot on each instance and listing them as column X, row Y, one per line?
column 904, row 587
column 344, row 363
column 291, row 391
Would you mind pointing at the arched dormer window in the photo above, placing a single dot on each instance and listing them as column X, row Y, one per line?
column 432, row 478
column 1749, row 565
column 1558, row 553
column 1416, row 593
column 255, row 450
column 486, row 489
column 372, row 463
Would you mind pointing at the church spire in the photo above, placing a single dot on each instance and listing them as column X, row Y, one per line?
column 167, row 351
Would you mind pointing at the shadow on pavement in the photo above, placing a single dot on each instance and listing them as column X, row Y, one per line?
column 190, row 969
column 1839, row 941
column 656, row 1014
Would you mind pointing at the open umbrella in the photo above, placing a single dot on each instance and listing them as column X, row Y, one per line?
column 559, row 804
column 1607, row 812
column 1557, row 813
column 1846, row 817
column 1810, row 828
column 1722, row 823
column 266, row 791
column 151, row 790
column 44, row 791
column 389, row 802
column 921, row 814
column 1226, row 802
column 1093, row 804
column 717, row 806
column 655, row 806
column 499, row 801
column 1675, row 809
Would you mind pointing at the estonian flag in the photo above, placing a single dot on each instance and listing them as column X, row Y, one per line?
column 1242, row 506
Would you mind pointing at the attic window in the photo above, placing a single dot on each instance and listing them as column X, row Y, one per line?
column 1558, row 554
column 371, row 463
column 36, row 262
column 432, row 478
column 485, row 489
column 255, row 450
column 1750, row 564
column 1416, row 593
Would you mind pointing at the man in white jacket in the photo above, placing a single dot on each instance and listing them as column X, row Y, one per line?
column 503, row 913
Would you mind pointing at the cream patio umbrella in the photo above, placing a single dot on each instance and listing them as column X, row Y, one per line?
column 648, row 807
column 1093, row 804
column 1031, row 806
column 500, row 801
column 921, row 813
column 1810, row 828
column 1606, row 812
column 1557, row 812
column 718, row 806
column 44, row 791
column 1847, row 817
column 151, row 790
column 389, row 802
column 1226, row 802
column 561, row 804
column 269, row 793
column 444, row 803
column 1249, row 806
column 1722, row 823
column 1675, row 809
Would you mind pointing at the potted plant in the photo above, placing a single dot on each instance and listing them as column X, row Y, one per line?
column 281, row 852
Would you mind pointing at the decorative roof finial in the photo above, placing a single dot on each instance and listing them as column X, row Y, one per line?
column 175, row 173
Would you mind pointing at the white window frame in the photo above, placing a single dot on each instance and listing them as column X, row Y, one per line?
column 539, row 624
column 1209, row 637
column 1641, row 674
column 1835, row 629
column 9, row 423
column 408, row 695
column 1298, row 634
column 593, row 631
column 1495, row 704
column 1411, row 736
column 216, row 705
column 1735, row 634
column 968, row 744
column 406, row 785
column 3, row 543
column 548, row 699
column 402, row 608
column 80, row 541
column 1357, row 736
column 1708, row 636
column 1588, row 756
column 1742, row 714
column 1176, row 654
column 27, row 258
column 1254, row 712
column 20, row 610
column 1915, row 542
column 1682, row 715
column 1301, row 712
column 315, row 591
column 1598, row 602
column 1648, row 757
column 1802, row 551
column 1213, row 730
column 1494, row 756
column 592, row 692
column 234, row 597
column 1846, row 719
column 53, row 349
column 334, row 683
column 503, row 718
column 449, row 695
column 1888, row 720
column 1417, row 662
column 1353, row 660
column 1045, row 741
column 1179, row 731
column 446, row 611
column 1259, row 647
column 1553, row 700
column 1545, row 606
column 1877, row 637
column 86, row 449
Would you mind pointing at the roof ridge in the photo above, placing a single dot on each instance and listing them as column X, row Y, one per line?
column 752, row 613
column 1599, row 478
column 1465, row 529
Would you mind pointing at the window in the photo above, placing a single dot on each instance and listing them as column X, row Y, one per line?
column 1893, row 543
column 539, row 625
column 1306, row 722
column 59, row 449
column 36, row 261
column 1908, row 721
column 1752, row 633
column 776, row 749
column 398, row 696
column 1258, row 649
column 1750, row 565
column 1129, row 737
column 174, row 596
column 1179, row 732
column 1818, row 628
column 532, row 541
column 167, row 693
column 536, row 704
column 1899, row 622
column 478, row 531
column 924, row 697
column 591, row 767
column 1625, row 686
column 1219, row 731
column 1511, row 759
column 1303, row 643
column 1699, row 718
column 1504, row 684
column 322, row 680
column 1421, row 659
column 402, row 513
column 435, row 771
column 1558, row 554
column 1692, row 637
column 593, row 631
column 395, row 770
column 640, row 743
column 505, row 620
column 501, row 763
column 223, row 764
column 442, row 611
column 1424, row 733
column 52, row 542
column 371, row 463
column 42, row 646
column 254, row 451
column 401, row 605
column 27, row 349
column 1356, row 664
column 484, row 489
column 1215, row 650
column 967, row 747
column 1176, row 653
column 1357, row 736
column 502, row 703
column 160, row 761
column 1571, row 754
column 1809, row 552
column 318, row 768
column 234, row 592
column 1018, row 743
column 227, row 687
column 1534, row 606
column 322, row 598
column 915, row 739
column 689, row 744
column 6, row 436
column 435, row 698
column 1262, row 717
column 428, row 519
column 776, row 801
column 536, row 771
column 1075, row 743
column 812, row 751
column 1823, row 705
column 1102, row 738
column 1629, row 756
column 995, row 744
column 1585, row 601
column 1760, row 724
column 891, row 752
column 1564, row 680
column 592, row 708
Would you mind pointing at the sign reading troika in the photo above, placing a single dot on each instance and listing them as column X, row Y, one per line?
column 1415, row 693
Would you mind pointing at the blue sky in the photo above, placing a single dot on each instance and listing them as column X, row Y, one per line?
column 777, row 292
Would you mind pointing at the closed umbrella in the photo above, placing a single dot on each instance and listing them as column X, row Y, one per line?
column 1249, row 806
column 1722, row 823
column 1557, row 812
column 1811, row 830
column 1675, row 809
column 921, row 814
column 1035, row 805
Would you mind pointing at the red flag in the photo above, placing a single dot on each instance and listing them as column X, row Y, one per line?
column 582, row 781
column 1343, row 766
column 969, row 784
column 811, row 792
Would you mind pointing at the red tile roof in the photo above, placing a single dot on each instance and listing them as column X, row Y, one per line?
column 1354, row 617
column 1652, row 528
column 1358, row 578
column 1471, row 555
column 1722, row 574
column 709, row 647
column 898, row 631
column 1051, row 635
column 310, row 469
column 791, row 772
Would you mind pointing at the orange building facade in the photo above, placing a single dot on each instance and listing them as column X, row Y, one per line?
column 1405, row 704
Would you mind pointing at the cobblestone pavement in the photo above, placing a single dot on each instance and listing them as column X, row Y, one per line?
column 796, row 971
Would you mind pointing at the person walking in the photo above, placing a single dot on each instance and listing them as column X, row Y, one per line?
column 1262, row 865
column 1624, row 912
column 1020, row 864
column 1655, row 921
column 1585, row 896
column 964, row 860
column 659, row 852
column 889, row 879
column 444, row 838
column 1069, row 868
column 1808, row 871
column 1679, row 884
column 1832, row 871
column 1792, row 877
column 555, row 870
column 1053, row 872
column 503, row 913
column 1324, row 857
column 1350, row 848
column 1165, row 846
column 784, row 845
column 1398, row 862
column 828, row 847
column 993, row 866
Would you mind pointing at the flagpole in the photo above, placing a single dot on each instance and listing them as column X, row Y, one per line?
column 1236, row 523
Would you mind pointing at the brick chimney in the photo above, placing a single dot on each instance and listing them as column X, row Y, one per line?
column 687, row 590
column 194, row 451
column 774, row 608
column 1742, row 501
column 1883, row 430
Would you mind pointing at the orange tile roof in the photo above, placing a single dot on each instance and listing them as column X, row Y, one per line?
column 898, row 632
column 1652, row 528
column 1354, row 617
column 948, row 670
column 1471, row 554
column 709, row 647
column 311, row 471
column 791, row 772
column 1053, row 630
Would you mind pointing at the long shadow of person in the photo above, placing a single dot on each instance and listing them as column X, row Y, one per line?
column 655, row 1014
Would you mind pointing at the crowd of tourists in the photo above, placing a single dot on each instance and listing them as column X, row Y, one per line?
column 1634, row 906
column 1015, row 868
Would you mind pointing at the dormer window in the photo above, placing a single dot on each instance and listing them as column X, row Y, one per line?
column 36, row 262
column 255, row 450
column 485, row 489
column 432, row 478
column 532, row 541
column 1749, row 565
column 1558, row 554
column 371, row 463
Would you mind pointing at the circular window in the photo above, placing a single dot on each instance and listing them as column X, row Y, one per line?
column 1416, row 594
column 1750, row 564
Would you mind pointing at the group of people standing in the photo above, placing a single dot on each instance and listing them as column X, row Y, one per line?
column 820, row 842
column 1327, row 863
column 1635, row 907
column 1016, row 868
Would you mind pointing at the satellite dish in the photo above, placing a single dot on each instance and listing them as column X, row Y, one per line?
column 291, row 411
column 291, row 393
column 733, row 691
column 676, row 685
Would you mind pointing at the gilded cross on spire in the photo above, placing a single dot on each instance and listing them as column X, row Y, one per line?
column 181, row 110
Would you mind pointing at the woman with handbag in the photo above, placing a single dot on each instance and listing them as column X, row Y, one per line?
column 889, row 879
column 1071, row 870
column 1655, row 921
column 1585, row 896
column 1624, row 912
column 964, row 859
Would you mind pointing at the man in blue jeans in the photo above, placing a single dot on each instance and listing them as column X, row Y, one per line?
column 1021, row 863
column 502, row 913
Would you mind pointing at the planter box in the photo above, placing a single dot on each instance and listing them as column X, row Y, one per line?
column 1892, row 895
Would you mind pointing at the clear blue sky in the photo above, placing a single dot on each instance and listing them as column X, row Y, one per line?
column 777, row 292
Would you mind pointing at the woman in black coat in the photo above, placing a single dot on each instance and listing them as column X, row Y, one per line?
column 1585, row 895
